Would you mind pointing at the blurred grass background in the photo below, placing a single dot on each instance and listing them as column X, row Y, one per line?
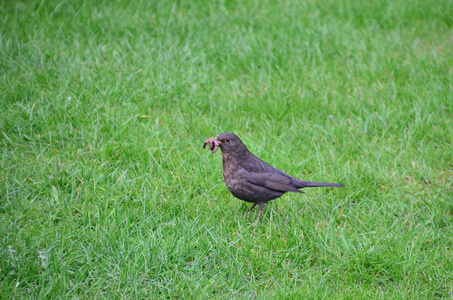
column 105, row 190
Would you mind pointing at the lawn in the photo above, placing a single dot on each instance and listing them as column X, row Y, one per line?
column 105, row 190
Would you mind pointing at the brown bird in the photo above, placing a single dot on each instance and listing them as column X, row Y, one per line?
column 250, row 178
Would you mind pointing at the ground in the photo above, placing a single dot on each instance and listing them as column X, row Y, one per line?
column 105, row 190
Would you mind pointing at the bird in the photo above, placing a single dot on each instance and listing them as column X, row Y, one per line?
column 251, row 179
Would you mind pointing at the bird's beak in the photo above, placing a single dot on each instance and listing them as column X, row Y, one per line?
column 213, row 144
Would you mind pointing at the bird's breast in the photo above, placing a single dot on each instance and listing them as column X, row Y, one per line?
column 231, row 172
column 235, row 179
column 230, row 168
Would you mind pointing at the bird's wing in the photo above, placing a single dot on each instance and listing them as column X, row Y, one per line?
column 272, row 181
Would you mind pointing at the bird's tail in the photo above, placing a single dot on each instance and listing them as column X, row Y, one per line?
column 304, row 184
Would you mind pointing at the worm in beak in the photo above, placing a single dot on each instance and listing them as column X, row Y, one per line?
column 213, row 144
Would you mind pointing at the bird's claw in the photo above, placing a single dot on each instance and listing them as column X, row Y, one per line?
column 213, row 144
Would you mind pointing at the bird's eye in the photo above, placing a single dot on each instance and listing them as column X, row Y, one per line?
column 227, row 140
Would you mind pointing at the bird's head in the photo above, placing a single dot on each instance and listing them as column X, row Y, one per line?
column 228, row 143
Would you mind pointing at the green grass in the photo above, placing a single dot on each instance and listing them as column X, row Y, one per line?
column 105, row 190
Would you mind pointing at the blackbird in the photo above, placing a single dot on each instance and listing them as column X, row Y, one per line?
column 250, row 178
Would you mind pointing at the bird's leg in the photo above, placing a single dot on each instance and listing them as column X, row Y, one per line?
column 260, row 212
column 253, row 206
